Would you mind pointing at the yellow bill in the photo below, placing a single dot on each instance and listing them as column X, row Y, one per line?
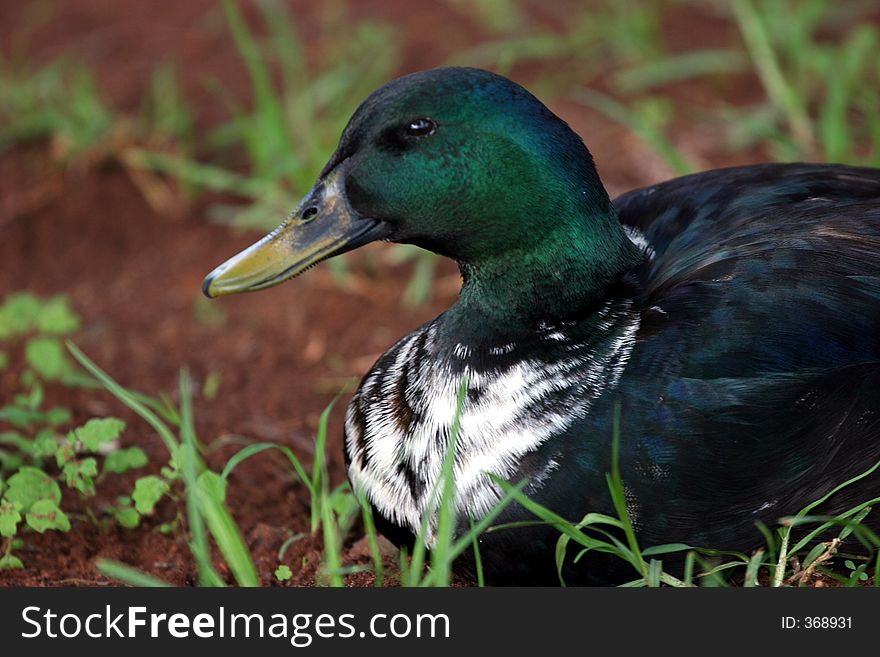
column 322, row 226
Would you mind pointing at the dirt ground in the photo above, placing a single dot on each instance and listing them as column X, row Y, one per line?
column 134, row 276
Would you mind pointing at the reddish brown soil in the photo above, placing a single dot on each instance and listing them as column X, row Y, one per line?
column 134, row 276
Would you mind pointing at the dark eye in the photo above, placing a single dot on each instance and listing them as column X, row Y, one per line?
column 421, row 127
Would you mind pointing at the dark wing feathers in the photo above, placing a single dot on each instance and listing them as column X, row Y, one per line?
column 760, row 269
column 754, row 386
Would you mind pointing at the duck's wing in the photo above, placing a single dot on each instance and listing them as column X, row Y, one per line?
column 761, row 269
column 754, row 385
column 722, row 202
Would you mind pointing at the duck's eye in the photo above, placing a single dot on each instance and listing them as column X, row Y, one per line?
column 421, row 127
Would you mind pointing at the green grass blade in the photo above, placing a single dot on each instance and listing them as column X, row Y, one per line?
column 299, row 105
column 332, row 543
column 803, row 512
column 441, row 563
column 769, row 540
column 126, row 398
column 320, row 486
column 224, row 530
column 128, row 575
column 666, row 548
column 618, row 494
column 465, row 541
column 647, row 130
column 205, row 501
column 270, row 142
column 790, row 523
column 252, row 450
column 478, row 559
column 563, row 525
column 752, row 568
column 680, row 67
column 404, row 565
column 849, row 526
column 689, row 561
column 373, row 542
column 591, row 519
column 654, row 573
column 766, row 63
column 208, row 176
column 289, row 47
column 190, row 466
column 840, row 519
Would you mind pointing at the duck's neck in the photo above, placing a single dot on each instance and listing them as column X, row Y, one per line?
column 561, row 279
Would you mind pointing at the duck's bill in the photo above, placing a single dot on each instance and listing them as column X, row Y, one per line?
column 322, row 226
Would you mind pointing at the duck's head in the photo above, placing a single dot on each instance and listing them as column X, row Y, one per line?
column 460, row 161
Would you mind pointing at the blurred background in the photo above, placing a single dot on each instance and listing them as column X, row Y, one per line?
column 143, row 143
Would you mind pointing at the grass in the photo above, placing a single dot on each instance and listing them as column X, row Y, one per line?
column 821, row 92
column 204, row 490
column 42, row 466
column 815, row 62
column 808, row 120
column 61, row 102
column 648, row 118
column 577, row 48
column 62, row 105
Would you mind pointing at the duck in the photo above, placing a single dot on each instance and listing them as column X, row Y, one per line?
column 730, row 319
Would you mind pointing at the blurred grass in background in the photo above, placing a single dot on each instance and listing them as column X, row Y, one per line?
column 799, row 82
column 796, row 80
column 296, row 112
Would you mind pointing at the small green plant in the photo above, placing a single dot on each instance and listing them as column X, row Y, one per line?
column 283, row 573
column 857, row 573
column 31, row 330
column 204, row 490
column 37, row 460
column 33, row 493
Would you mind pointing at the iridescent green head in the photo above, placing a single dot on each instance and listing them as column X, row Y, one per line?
column 467, row 164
